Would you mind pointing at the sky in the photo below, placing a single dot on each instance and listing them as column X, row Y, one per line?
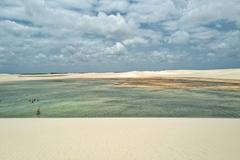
column 118, row 35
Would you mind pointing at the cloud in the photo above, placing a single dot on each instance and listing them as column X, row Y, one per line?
column 135, row 41
column 151, row 11
column 203, row 12
column 81, row 34
column 179, row 37
column 41, row 56
column 113, row 6
column 107, row 25
column 218, row 46
column 118, row 48
column 166, row 56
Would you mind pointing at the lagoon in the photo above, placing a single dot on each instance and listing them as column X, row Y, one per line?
column 101, row 98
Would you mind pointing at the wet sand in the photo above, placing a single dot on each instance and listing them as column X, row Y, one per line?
column 120, row 139
column 180, row 83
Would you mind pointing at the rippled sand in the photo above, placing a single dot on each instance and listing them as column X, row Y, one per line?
column 119, row 139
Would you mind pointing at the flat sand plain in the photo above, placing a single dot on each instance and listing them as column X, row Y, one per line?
column 119, row 139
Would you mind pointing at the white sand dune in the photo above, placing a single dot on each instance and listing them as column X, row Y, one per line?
column 119, row 139
column 219, row 74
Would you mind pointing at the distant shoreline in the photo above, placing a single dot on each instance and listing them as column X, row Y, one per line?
column 216, row 74
column 82, row 72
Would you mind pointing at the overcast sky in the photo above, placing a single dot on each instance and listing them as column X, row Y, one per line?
column 118, row 35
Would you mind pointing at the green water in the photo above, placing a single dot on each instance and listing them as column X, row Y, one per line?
column 98, row 98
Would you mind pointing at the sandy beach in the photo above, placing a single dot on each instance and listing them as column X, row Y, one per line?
column 115, row 138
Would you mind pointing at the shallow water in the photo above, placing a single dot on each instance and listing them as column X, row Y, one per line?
column 99, row 98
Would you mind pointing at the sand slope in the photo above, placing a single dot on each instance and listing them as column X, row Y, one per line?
column 119, row 139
